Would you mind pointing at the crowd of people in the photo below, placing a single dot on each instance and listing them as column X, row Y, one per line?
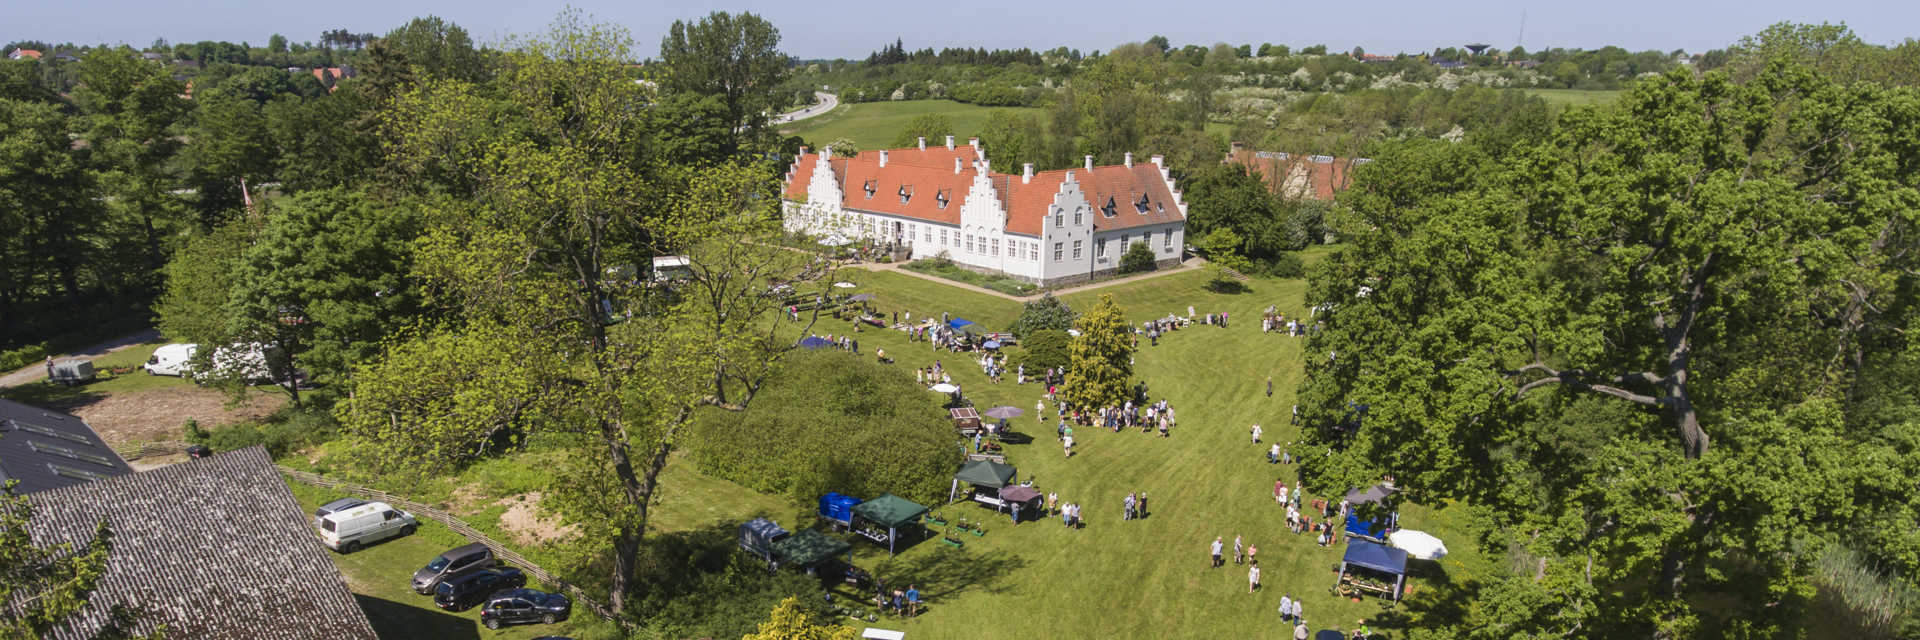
column 1272, row 321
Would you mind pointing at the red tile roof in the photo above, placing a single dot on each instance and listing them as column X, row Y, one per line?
column 25, row 53
column 929, row 173
column 1297, row 176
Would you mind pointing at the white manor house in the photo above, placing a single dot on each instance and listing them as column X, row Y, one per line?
column 1050, row 227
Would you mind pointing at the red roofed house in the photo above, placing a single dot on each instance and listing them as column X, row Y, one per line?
column 23, row 53
column 1048, row 227
column 1297, row 178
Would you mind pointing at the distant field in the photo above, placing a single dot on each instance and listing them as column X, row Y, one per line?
column 872, row 125
column 1575, row 97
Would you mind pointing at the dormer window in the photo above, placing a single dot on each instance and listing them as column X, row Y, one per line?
column 906, row 193
column 1141, row 206
column 870, row 189
column 941, row 197
column 1109, row 209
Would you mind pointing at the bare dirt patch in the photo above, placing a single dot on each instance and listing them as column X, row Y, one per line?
column 147, row 416
column 523, row 520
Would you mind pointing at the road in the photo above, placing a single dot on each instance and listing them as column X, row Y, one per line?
column 827, row 102
column 38, row 371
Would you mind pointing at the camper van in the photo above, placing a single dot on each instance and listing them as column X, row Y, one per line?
column 71, row 372
column 171, row 360
column 349, row 530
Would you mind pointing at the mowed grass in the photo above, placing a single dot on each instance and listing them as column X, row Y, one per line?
column 873, row 125
column 1146, row 578
column 1575, row 97
column 43, row 393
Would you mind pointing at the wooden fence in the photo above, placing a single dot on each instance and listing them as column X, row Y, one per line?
column 136, row 451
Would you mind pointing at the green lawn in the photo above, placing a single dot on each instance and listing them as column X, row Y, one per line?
column 42, row 393
column 1575, row 97
column 873, row 125
column 1146, row 578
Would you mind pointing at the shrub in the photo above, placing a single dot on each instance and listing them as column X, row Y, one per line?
column 21, row 357
column 1041, row 350
column 1139, row 257
column 1286, row 265
column 1044, row 314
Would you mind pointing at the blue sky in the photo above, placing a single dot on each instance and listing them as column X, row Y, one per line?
column 852, row 28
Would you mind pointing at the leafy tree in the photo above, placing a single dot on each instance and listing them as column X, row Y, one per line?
column 1044, row 314
column 1139, row 257
column 322, row 142
column 437, row 49
column 1012, row 137
column 790, row 622
column 232, row 144
column 843, row 147
column 277, row 43
column 1589, row 339
column 934, row 127
column 130, row 110
column 733, row 57
column 1102, row 355
column 199, row 282
column 45, row 588
column 48, row 218
column 690, row 129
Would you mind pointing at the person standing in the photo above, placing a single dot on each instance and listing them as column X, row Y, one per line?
column 49, row 368
column 1286, row 608
column 1273, row 454
column 1067, row 442
column 1253, row 553
column 1239, row 550
column 1253, row 576
column 1216, row 552
column 1269, row 386
column 1256, row 433
column 1280, row 491
column 1142, row 511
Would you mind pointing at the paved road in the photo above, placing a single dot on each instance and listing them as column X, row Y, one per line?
column 38, row 371
column 827, row 102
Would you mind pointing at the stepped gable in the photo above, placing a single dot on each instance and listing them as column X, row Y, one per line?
column 214, row 549
column 801, row 175
column 1028, row 204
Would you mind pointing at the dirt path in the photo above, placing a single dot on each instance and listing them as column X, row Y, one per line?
column 36, row 372
column 1189, row 265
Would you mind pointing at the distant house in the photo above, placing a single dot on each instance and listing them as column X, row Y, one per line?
column 1297, row 177
column 214, row 549
column 45, row 449
column 1370, row 58
column 17, row 54
column 154, row 56
column 1450, row 64
column 66, row 56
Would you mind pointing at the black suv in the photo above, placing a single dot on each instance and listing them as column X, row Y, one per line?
column 461, row 593
column 524, row 605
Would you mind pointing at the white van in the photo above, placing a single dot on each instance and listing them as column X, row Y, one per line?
column 171, row 360
column 248, row 362
column 347, row 531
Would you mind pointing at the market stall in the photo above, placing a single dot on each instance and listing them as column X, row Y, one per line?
column 1378, row 521
column 882, row 519
column 982, row 474
column 808, row 549
column 1018, row 498
column 1372, row 567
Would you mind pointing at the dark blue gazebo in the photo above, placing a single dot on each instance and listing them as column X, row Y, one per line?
column 1375, row 557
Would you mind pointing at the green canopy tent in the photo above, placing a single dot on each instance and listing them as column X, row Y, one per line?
column 984, row 473
column 808, row 548
column 890, row 511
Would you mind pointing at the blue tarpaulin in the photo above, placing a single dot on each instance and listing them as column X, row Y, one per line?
column 1370, row 529
column 956, row 323
column 816, row 342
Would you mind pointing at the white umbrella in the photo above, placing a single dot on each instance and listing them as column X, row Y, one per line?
column 845, row 285
column 835, row 240
column 1073, row 332
column 1418, row 544
column 943, row 388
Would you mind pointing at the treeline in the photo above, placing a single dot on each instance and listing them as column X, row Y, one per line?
column 896, row 53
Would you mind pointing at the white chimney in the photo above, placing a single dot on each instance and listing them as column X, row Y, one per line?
column 1089, row 163
column 826, row 153
column 956, row 165
column 1069, row 175
column 1159, row 160
column 949, row 143
column 984, row 167
column 1026, row 173
column 973, row 142
column 803, row 151
column 923, row 143
column 883, row 157
column 1129, row 159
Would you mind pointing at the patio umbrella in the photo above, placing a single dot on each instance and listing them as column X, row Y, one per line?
column 991, row 344
column 1017, row 493
column 835, row 240
column 815, row 342
column 845, row 285
column 943, row 388
column 861, row 297
column 1002, row 412
column 1418, row 544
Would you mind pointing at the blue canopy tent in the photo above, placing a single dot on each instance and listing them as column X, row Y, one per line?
column 1375, row 557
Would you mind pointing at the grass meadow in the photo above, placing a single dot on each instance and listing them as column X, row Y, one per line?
column 873, row 125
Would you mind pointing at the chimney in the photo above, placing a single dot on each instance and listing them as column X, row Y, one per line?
column 923, row 143
column 1026, row 173
column 1089, row 163
column 826, row 153
column 1239, row 147
column 984, row 167
column 956, row 165
column 949, row 143
column 1129, row 159
column 1159, row 161
column 883, row 158
column 973, row 142
column 803, row 151
column 1069, row 175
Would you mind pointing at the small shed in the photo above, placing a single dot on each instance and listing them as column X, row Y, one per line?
column 982, row 473
column 890, row 512
column 1387, row 562
column 809, row 548
column 757, row 536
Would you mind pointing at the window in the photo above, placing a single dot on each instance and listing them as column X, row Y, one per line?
column 996, row 247
column 1123, row 240
column 1076, row 248
column 926, row 234
column 943, row 237
column 1056, row 251
column 1147, row 239
column 1033, row 251
column 1100, row 250
column 956, row 238
column 389, row 515
column 1168, row 243
column 1076, row 215
column 969, row 243
column 1059, row 219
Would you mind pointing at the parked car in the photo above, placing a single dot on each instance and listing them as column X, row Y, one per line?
column 524, row 606
column 171, row 360
column 460, row 593
column 342, row 504
column 349, row 530
column 454, row 562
